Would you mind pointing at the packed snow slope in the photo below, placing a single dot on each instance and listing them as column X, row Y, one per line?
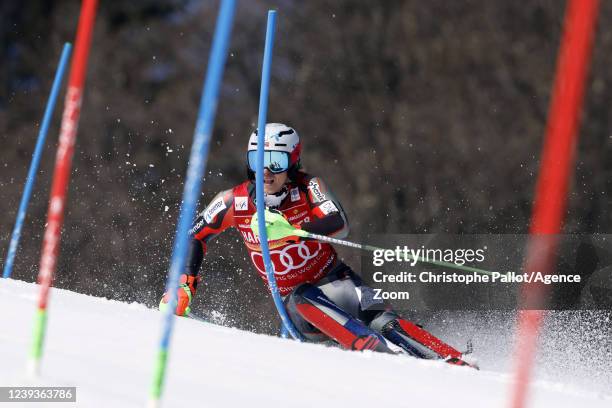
column 106, row 349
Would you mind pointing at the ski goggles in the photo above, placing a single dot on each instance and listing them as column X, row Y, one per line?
column 276, row 162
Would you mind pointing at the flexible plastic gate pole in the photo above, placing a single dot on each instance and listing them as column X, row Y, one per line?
column 193, row 184
column 40, row 144
column 259, row 193
column 61, row 175
column 553, row 180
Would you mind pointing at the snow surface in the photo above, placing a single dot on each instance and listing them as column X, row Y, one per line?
column 106, row 349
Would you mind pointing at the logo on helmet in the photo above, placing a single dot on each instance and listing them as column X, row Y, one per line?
column 276, row 137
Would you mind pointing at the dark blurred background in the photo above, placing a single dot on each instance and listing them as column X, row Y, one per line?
column 422, row 117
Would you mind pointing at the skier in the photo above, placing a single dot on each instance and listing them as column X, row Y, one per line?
column 325, row 299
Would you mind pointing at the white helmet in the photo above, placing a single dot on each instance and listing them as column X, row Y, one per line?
column 278, row 138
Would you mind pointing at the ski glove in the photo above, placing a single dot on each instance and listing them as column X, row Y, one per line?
column 277, row 227
column 185, row 293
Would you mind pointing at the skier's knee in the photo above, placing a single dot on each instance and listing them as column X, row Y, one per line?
column 298, row 297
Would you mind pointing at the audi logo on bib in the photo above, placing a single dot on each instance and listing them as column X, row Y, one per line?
column 287, row 259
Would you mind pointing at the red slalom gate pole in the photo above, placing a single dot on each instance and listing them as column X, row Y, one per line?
column 61, row 176
column 553, row 181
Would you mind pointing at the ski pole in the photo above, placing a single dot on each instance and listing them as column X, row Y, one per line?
column 278, row 228
column 371, row 248
column 40, row 144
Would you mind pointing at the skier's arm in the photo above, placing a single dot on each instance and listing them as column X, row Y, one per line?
column 215, row 218
column 329, row 217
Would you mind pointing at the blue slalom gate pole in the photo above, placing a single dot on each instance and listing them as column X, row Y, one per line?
column 40, row 144
column 259, row 186
column 193, row 183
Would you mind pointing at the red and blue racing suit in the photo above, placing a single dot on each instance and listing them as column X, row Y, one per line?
column 324, row 297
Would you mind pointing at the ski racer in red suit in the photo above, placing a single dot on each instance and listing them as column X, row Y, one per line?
column 325, row 299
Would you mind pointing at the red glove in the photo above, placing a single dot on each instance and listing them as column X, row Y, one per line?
column 185, row 293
